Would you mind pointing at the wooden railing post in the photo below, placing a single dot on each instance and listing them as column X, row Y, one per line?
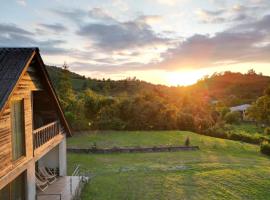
column 45, row 133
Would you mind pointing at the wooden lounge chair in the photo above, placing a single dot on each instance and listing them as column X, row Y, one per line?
column 41, row 184
column 44, row 177
column 47, row 172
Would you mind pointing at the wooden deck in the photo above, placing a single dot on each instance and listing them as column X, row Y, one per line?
column 61, row 187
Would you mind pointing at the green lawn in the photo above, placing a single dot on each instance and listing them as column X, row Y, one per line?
column 222, row 169
column 131, row 138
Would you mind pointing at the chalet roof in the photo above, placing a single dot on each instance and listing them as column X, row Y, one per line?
column 13, row 62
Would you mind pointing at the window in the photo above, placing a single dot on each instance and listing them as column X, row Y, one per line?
column 14, row 190
column 17, row 129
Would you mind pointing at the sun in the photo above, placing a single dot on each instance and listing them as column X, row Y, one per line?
column 184, row 78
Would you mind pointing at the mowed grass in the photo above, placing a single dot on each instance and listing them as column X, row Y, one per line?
column 110, row 139
column 222, row 169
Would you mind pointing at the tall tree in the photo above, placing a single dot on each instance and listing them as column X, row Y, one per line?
column 260, row 110
column 65, row 90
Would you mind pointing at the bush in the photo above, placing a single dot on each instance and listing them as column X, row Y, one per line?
column 220, row 132
column 252, row 139
column 265, row 148
column 233, row 117
column 187, row 142
column 267, row 131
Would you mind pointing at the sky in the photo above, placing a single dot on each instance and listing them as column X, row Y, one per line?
column 171, row 42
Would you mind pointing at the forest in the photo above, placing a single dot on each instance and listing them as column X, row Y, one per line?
column 131, row 104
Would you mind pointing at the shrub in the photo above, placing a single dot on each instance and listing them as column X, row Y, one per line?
column 220, row 132
column 233, row 117
column 267, row 131
column 253, row 139
column 187, row 142
column 94, row 145
column 265, row 148
column 224, row 111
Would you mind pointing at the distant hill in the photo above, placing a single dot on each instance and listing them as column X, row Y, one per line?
column 233, row 88
column 229, row 88
column 109, row 87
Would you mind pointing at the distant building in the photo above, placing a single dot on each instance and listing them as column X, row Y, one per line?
column 242, row 109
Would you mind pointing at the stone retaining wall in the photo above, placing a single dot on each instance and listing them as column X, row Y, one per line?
column 132, row 149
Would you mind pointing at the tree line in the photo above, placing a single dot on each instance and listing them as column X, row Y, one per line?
column 149, row 107
column 145, row 110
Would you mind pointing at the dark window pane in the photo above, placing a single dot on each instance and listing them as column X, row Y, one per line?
column 17, row 120
column 18, row 188
column 5, row 193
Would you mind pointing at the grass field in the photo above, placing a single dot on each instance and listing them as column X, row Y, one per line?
column 222, row 169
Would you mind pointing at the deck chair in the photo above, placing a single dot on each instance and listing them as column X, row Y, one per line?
column 47, row 172
column 44, row 177
column 43, row 173
column 41, row 184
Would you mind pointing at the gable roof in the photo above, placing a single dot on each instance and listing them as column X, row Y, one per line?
column 13, row 62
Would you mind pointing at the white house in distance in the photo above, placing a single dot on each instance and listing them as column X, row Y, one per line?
column 33, row 128
column 242, row 109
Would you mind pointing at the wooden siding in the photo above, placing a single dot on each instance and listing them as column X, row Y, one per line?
column 29, row 81
column 22, row 91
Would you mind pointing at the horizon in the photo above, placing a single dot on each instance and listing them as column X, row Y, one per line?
column 168, row 42
column 173, row 85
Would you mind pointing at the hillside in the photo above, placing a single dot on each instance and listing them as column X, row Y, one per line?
column 230, row 88
column 106, row 87
column 233, row 88
column 221, row 169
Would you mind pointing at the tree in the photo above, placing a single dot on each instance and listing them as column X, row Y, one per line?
column 233, row 117
column 267, row 91
column 65, row 90
column 251, row 72
column 260, row 110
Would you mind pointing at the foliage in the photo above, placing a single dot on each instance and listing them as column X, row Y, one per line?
column 187, row 142
column 65, row 90
column 142, row 111
column 233, row 117
column 131, row 104
column 242, row 132
column 260, row 110
column 267, row 131
column 265, row 148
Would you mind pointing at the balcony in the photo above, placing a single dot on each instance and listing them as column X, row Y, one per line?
column 45, row 133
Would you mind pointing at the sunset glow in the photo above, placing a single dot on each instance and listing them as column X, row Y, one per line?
column 172, row 42
column 184, row 78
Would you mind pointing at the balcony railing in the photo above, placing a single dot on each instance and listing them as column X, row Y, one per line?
column 45, row 133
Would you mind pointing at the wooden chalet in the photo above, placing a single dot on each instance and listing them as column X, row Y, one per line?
column 33, row 128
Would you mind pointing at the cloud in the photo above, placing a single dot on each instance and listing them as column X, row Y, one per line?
column 21, row 2
column 56, row 28
column 98, row 13
column 234, row 13
column 74, row 15
column 105, row 67
column 14, row 36
column 115, row 35
column 207, row 16
column 247, row 42
column 168, row 2
column 150, row 19
column 13, row 29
